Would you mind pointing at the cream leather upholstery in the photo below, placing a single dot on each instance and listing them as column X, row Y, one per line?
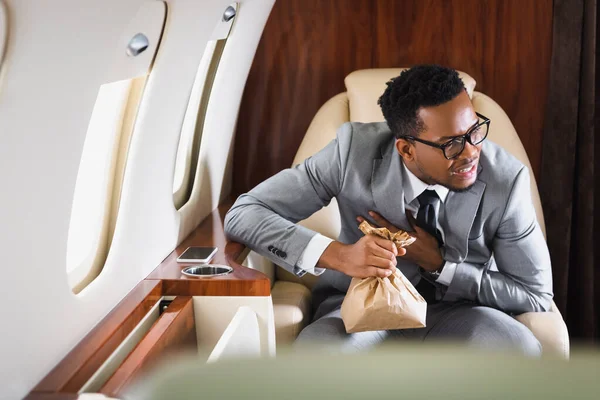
column 291, row 309
column 550, row 329
column 359, row 103
column 365, row 86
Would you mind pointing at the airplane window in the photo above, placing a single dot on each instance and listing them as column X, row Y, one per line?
column 102, row 166
column 191, row 130
column 188, row 149
column 99, row 179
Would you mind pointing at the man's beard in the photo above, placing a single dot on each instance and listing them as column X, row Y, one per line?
column 460, row 190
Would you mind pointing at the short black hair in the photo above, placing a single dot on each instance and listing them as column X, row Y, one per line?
column 419, row 86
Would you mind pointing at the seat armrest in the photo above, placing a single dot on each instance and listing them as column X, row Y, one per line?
column 549, row 329
column 259, row 263
column 292, row 310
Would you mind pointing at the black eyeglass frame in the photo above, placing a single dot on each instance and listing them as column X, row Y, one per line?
column 465, row 138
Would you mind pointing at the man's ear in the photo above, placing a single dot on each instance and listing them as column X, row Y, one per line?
column 405, row 149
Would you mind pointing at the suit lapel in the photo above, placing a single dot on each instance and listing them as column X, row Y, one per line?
column 459, row 213
column 387, row 189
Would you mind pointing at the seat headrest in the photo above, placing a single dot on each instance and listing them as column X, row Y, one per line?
column 365, row 86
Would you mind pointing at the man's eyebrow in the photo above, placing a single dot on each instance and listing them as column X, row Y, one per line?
column 453, row 136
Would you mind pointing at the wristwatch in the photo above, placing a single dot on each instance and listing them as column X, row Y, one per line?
column 433, row 275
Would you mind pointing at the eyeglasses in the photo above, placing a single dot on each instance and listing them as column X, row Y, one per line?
column 454, row 147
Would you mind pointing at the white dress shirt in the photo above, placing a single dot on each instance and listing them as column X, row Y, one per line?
column 413, row 187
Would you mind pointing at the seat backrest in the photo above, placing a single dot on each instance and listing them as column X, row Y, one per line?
column 359, row 104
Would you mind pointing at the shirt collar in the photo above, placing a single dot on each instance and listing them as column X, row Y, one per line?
column 413, row 187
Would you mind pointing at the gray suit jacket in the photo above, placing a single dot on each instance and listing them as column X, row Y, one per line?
column 491, row 230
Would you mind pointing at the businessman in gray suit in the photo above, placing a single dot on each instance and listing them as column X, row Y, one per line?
column 480, row 255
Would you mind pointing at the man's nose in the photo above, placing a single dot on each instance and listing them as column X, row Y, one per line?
column 470, row 151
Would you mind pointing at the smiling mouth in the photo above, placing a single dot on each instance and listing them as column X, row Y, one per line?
column 466, row 171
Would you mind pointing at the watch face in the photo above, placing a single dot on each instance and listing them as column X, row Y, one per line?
column 432, row 275
column 429, row 276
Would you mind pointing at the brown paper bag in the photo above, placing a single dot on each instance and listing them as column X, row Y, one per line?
column 373, row 304
column 400, row 238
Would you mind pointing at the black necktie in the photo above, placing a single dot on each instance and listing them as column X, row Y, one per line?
column 427, row 220
column 426, row 217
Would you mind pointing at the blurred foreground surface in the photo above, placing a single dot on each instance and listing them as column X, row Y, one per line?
column 391, row 372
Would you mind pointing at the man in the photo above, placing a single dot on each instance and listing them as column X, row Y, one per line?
column 479, row 255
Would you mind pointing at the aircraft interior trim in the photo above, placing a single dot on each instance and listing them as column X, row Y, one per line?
column 141, row 217
column 137, row 333
column 3, row 30
column 261, row 131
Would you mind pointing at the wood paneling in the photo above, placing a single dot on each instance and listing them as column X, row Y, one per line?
column 309, row 46
column 241, row 282
column 175, row 330
column 81, row 363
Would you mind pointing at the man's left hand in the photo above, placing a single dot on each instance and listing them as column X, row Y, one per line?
column 424, row 252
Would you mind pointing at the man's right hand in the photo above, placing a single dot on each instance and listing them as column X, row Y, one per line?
column 370, row 256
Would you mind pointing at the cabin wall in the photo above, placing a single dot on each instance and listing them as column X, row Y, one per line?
column 59, row 53
column 309, row 46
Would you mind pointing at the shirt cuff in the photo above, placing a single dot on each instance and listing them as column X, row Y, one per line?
column 309, row 258
column 447, row 273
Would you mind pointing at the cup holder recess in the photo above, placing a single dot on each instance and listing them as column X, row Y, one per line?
column 206, row 270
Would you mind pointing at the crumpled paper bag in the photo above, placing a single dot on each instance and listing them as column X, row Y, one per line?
column 374, row 304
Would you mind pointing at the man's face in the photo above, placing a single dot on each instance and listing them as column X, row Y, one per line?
column 442, row 123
